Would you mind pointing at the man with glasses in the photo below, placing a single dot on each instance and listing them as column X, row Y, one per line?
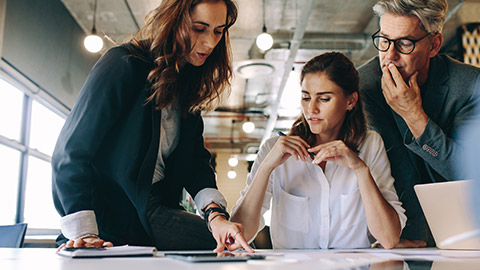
column 416, row 98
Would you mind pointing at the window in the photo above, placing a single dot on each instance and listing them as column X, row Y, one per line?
column 39, row 209
column 28, row 133
column 10, row 110
column 10, row 160
column 45, row 128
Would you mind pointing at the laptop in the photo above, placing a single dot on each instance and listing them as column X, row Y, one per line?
column 449, row 212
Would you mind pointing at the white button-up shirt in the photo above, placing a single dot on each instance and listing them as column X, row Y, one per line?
column 313, row 209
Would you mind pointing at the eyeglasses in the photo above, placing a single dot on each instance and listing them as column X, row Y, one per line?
column 402, row 45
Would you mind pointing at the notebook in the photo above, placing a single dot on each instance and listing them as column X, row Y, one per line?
column 448, row 209
column 117, row 251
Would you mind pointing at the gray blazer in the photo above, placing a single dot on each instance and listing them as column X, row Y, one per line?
column 448, row 98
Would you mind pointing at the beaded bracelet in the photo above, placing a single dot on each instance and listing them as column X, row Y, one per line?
column 214, row 216
column 214, row 209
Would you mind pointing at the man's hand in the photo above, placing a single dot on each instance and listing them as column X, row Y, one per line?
column 404, row 99
column 405, row 243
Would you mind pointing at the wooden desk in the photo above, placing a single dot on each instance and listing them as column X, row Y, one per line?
column 46, row 258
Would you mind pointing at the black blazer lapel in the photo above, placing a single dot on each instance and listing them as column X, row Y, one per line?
column 144, row 181
column 436, row 89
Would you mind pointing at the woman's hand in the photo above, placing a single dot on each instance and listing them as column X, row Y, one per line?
column 338, row 152
column 228, row 234
column 285, row 147
column 90, row 241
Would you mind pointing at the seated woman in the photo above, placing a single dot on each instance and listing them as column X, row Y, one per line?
column 329, row 180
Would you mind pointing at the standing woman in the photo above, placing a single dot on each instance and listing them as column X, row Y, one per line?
column 346, row 191
column 134, row 138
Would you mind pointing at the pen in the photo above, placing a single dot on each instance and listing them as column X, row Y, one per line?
column 283, row 134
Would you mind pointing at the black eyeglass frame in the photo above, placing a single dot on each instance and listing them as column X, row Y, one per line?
column 414, row 41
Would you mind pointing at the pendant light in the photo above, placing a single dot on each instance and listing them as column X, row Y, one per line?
column 232, row 161
column 264, row 40
column 248, row 127
column 93, row 42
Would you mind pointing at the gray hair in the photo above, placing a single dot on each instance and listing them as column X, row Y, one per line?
column 431, row 13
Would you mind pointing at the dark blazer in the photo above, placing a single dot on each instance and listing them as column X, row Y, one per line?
column 105, row 155
column 448, row 98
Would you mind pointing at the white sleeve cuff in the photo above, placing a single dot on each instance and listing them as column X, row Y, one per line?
column 207, row 196
column 78, row 224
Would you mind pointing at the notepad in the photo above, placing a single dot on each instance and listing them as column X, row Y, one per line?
column 117, row 251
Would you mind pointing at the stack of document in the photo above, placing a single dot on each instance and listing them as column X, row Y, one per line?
column 118, row 251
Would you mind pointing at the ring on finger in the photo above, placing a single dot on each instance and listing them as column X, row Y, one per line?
column 237, row 232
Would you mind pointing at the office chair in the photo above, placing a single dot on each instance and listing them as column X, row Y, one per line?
column 12, row 235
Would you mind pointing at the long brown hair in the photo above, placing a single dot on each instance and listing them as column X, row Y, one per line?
column 342, row 72
column 165, row 39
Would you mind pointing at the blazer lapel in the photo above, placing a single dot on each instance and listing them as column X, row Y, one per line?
column 436, row 89
column 148, row 164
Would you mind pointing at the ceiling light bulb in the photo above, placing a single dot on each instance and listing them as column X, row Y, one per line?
column 233, row 161
column 93, row 43
column 264, row 41
column 248, row 127
column 232, row 174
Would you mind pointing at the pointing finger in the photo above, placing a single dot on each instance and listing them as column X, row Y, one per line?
column 220, row 247
column 240, row 239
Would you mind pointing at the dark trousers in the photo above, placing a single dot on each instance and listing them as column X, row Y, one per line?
column 177, row 229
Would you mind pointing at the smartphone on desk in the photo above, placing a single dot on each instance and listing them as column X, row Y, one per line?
column 213, row 257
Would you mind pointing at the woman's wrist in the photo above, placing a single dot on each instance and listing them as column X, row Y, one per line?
column 215, row 219
column 213, row 213
column 362, row 169
column 266, row 167
column 88, row 235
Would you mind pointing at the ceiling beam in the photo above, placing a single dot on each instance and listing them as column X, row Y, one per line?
column 294, row 46
column 131, row 14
